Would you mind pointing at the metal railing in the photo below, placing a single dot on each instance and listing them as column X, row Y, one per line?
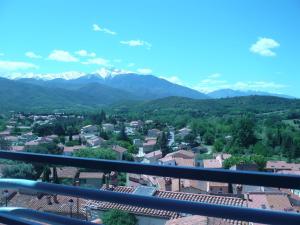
column 180, row 206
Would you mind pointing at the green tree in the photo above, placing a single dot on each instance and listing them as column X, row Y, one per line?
column 244, row 132
column 209, row 138
column 162, row 142
column 98, row 153
column 118, row 217
column 218, row 145
column 19, row 170
column 4, row 144
column 122, row 135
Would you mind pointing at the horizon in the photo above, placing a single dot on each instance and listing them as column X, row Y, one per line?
column 240, row 46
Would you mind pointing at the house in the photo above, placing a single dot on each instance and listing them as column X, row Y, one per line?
column 89, row 129
column 188, row 220
column 160, row 217
column 292, row 172
column 167, row 161
column 66, row 175
column 136, row 124
column 184, row 132
column 149, row 145
column 152, row 157
column 95, row 141
column 212, row 164
column 68, row 150
column 120, row 151
column 108, row 127
column 274, row 166
column 269, row 201
column 91, row 179
column 182, row 154
column 153, row 133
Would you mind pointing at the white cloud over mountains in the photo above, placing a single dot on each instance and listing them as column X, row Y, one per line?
column 16, row 65
column 62, row 56
column 264, row 47
column 97, row 28
column 213, row 82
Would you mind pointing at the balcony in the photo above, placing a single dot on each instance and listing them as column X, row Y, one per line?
column 176, row 205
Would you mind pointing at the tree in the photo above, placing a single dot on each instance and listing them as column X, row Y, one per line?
column 19, row 170
column 209, row 138
column 218, row 145
column 98, row 153
column 163, row 144
column 4, row 144
column 118, row 217
column 244, row 132
column 122, row 135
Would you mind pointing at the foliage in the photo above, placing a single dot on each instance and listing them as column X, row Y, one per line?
column 19, row 170
column 98, row 153
column 118, row 217
column 259, row 160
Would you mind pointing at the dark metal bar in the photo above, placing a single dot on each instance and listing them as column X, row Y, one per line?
column 10, row 219
column 195, row 208
column 42, row 216
column 194, row 173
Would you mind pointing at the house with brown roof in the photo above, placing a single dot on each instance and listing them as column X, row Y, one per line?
column 160, row 217
column 269, row 201
column 182, row 154
column 149, row 145
column 91, row 179
column 274, row 166
column 120, row 151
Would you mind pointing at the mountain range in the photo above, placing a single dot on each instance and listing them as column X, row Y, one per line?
column 93, row 90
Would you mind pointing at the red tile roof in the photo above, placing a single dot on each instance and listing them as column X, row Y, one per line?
column 214, row 199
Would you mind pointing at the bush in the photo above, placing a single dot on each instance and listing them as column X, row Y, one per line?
column 118, row 217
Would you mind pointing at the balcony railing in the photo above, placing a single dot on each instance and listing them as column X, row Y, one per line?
column 180, row 206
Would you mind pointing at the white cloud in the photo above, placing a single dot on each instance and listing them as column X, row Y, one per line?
column 144, row 71
column 212, row 83
column 136, row 43
column 257, row 85
column 96, row 27
column 97, row 61
column 264, row 47
column 14, row 65
column 173, row 79
column 62, row 56
column 85, row 53
column 32, row 55
column 104, row 72
column 46, row 76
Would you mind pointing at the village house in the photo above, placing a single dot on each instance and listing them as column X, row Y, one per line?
column 136, row 124
column 275, row 166
column 120, row 151
column 184, row 132
column 152, row 157
column 153, row 133
column 149, row 145
column 108, row 127
column 91, row 179
column 89, row 129
column 94, row 141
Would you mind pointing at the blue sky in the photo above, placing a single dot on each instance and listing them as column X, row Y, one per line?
column 205, row 45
